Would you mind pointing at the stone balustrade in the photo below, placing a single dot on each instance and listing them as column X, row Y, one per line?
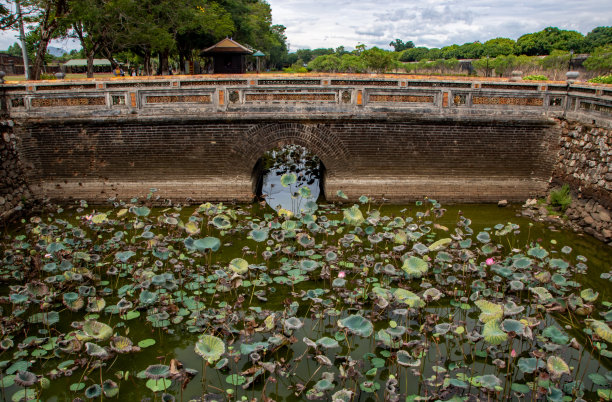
column 288, row 96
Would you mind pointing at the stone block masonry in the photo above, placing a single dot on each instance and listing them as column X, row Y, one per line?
column 585, row 163
column 400, row 160
column 14, row 191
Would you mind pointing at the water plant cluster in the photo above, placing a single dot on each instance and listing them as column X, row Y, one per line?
column 337, row 302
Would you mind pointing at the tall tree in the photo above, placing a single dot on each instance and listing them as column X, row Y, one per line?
column 50, row 21
column 545, row 41
column 400, row 46
column 93, row 24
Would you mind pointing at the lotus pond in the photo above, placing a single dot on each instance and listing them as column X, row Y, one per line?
column 342, row 302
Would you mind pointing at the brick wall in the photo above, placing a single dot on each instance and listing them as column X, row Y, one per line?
column 451, row 160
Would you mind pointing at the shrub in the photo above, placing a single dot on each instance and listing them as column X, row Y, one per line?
column 535, row 78
column 560, row 198
column 602, row 79
column 44, row 76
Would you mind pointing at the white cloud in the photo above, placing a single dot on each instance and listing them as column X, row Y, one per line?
column 432, row 23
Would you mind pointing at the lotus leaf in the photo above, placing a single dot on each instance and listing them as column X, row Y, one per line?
column 490, row 311
column 369, row 386
column 415, row 266
column 557, row 366
column 601, row 329
column 157, row 371
column 77, row 386
column 239, row 266
column 493, row 334
column 95, row 350
column 145, row 343
column 515, row 326
column 192, row 228
column 207, row 243
column 323, row 385
column 25, row 379
column 110, row 388
column 522, row 263
column 558, row 263
column 554, row 334
column 357, row 325
column 308, row 265
column 292, row 324
column 484, row 237
column 409, row 298
column 288, row 179
column 538, row 252
column 542, row 293
column 222, row 222
column 440, row 244
column 28, row 394
column 97, row 330
column 93, row 391
column 147, row 297
column 158, row 385
column 210, row 348
column 141, row 211
column 305, row 192
column 489, row 381
column 589, row 295
column 328, row 343
column 353, row 216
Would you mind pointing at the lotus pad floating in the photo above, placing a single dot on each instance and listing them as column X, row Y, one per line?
column 357, row 325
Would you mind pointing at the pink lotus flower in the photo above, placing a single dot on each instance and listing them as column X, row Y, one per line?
column 513, row 353
column 490, row 261
column 341, row 274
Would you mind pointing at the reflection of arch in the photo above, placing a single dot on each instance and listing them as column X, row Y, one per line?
column 264, row 137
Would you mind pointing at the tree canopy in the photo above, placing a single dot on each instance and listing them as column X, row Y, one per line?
column 140, row 30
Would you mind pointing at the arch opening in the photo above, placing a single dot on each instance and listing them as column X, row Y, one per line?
column 289, row 177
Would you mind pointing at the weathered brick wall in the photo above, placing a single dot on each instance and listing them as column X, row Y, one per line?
column 14, row 191
column 585, row 162
column 450, row 160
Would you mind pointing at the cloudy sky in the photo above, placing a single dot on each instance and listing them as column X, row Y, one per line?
column 431, row 23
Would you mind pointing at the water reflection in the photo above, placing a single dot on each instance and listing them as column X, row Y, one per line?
column 291, row 160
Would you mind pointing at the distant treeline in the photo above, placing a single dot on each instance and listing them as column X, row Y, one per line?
column 551, row 49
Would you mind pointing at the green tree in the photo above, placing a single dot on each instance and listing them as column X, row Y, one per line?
column 50, row 21
column 400, row 46
column 329, row 63
column 14, row 50
column 434, row 54
column 471, row 50
column 93, row 24
column 414, row 54
column 350, row 63
column 545, row 41
column 498, row 47
column 598, row 37
column 378, row 59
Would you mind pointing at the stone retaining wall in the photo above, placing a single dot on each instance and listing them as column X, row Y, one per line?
column 585, row 163
column 13, row 186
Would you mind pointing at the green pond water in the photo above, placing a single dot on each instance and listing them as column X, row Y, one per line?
column 353, row 301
